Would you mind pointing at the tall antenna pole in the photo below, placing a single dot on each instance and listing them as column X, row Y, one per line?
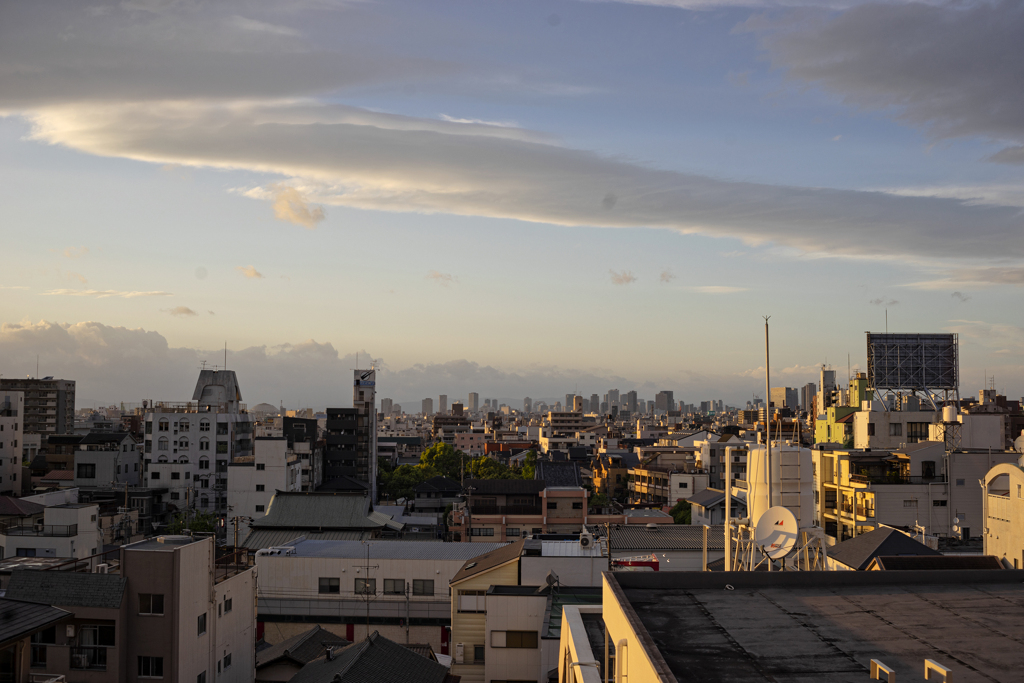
column 767, row 409
column 225, row 355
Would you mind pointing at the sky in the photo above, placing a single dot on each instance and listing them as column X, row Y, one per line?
column 514, row 198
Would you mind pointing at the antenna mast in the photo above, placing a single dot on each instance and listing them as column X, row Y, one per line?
column 767, row 415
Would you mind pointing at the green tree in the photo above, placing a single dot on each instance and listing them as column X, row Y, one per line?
column 200, row 522
column 445, row 460
column 681, row 512
column 529, row 465
column 403, row 481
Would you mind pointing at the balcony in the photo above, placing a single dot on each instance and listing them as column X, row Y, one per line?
column 13, row 528
column 89, row 658
column 863, row 511
column 342, row 424
column 506, row 510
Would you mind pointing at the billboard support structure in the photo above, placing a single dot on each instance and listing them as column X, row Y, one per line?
column 910, row 364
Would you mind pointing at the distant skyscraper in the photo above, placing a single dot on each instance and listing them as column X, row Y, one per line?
column 663, row 401
column 631, row 401
column 577, row 404
column 527, row 405
column 442, row 404
column 613, row 397
column 428, row 407
column 807, row 393
column 386, row 406
column 585, row 404
column 595, row 403
column 474, row 402
column 785, row 397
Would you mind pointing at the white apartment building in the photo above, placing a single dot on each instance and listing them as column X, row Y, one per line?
column 188, row 445
column 12, row 429
column 70, row 530
column 881, row 429
column 253, row 480
column 108, row 458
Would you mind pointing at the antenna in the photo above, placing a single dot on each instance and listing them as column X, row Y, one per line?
column 225, row 355
column 776, row 531
column 767, row 416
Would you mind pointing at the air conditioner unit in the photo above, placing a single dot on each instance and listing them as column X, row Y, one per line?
column 80, row 661
column 102, row 568
column 586, row 539
column 460, row 653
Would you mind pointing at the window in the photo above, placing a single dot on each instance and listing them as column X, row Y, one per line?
column 201, row 678
column 928, row 469
column 511, row 532
column 183, row 426
column 516, row 639
column 553, row 506
column 204, row 463
column 712, row 469
column 149, row 427
column 164, row 426
column 201, row 624
column 962, row 482
column 917, row 431
column 222, row 428
column 39, row 642
column 227, row 661
column 480, row 531
column 260, row 487
column 204, row 426
column 164, row 444
column 260, row 467
column 577, row 506
column 260, row 508
column 472, row 601
column 175, row 495
column 151, row 603
column 896, row 429
column 227, row 607
column 394, row 586
column 684, row 485
column 182, row 443
column 478, row 653
column 910, row 503
column 536, row 531
column 330, row 585
column 154, row 475
column 871, row 428
column 86, row 471
column 204, row 445
column 422, row 586
column 151, row 667
column 222, row 447
column 939, row 503
column 366, row 587
column 175, row 475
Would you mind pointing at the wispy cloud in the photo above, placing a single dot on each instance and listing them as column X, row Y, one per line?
column 75, row 252
column 102, row 293
column 667, row 276
column 624, row 277
column 791, row 371
column 246, row 24
column 291, row 206
column 980, row 277
column 181, row 311
column 480, row 122
column 443, row 279
column 250, row 272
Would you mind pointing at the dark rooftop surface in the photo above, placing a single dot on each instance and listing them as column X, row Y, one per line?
column 858, row 552
column 558, row 473
column 300, row 649
column 67, row 589
column 828, row 626
column 21, row 619
column 375, row 660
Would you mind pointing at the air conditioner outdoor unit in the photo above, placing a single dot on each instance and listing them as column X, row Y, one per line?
column 102, row 568
column 586, row 540
column 80, row 661
column 460, row 651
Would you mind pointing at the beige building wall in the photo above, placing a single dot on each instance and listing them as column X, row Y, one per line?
column 513, row 613
column 1004, row 514
column 623, row 627
column 469, row 627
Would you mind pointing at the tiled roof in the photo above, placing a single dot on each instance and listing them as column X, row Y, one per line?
column 858, row 551
column 375, row 660
column 665, row 537
column 59, row 475
column 11, row 507
column 394, row 550
column 484, row 487
column 67, row 589
column 439, row 484
column 558, row 473
column 20, row 619
column 488, row 560
column 104, row 438
column 917, row 562
column 271, row 538
column 301, row 649
column 334, row 511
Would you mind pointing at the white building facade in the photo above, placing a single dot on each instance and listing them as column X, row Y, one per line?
column 253, row 480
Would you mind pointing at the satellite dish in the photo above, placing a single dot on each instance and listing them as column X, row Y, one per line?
column 776, row 532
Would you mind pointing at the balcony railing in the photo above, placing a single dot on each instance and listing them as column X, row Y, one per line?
column 865, row 511
column 89, row 658
column 14, row 528
column 507, row 510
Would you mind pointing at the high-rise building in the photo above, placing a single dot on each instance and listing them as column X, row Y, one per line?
column 427, row 407
column 663, row 401
column 595, row 403
column 386, row 406
column 785, row 397
column 826, row 386
column 631, row 401
column 586, row 404
column 577, row 404
column 12, row 414
column 613, row 397
column 442, row 404
column 364, row 392
column 570, row 400
column 527, row 405
column 473, row 402
column 49, row 404
column 807, row 393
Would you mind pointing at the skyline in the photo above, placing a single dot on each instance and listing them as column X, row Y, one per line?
column 602, row 193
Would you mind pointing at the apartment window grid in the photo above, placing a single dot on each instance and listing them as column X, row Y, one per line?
column 151, row 667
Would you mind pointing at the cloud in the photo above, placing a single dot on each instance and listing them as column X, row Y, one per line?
column 245, row 24
column 718, row 289
column 791, row 371
column 624, row 277
column 995, row 194
column 981, row 276
column 75, row 252
column 960, row 297
column 379, row 162
column 837, row 138
column 102, row 293
column 481, row 122
column 250, row 272
column 666, row 276
column 443, row 279
column 291, row 206
column 883, row 302
column 183, row 311
column 941, row 66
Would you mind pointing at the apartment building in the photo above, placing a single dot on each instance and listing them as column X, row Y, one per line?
column 1003, row 531
column 70, row 530
column 108, row 459
column 470, row 442
column 303, row 439
column 253, row 480
column 49, row 404
column 188, row 445
column 12, row 436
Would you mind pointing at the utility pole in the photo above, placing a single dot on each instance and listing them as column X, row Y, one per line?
column 767, row 410
column 368, row 596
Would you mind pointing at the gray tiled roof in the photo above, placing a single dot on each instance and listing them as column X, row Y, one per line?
column 858, row 551
column 394, row 550
column 439, row 484
column 375, row 660
column 67, row 589
column 270, row 538
column 10, row 507
column 484, row 487
column 20, row 619
column 666, row 537
column 318, row 511
column 558, row 473
column 301, row 649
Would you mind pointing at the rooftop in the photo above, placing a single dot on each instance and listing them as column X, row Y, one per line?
column 67, row 589
column 20, row 619
column 374, row 660
column 393, row 550
column 826, row 626
column 300, row 649
column 858, row 551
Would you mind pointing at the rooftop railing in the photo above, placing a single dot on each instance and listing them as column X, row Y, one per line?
column 16, row 528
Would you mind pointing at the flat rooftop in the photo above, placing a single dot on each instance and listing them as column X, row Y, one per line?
column 391, row 550
column 828, row 626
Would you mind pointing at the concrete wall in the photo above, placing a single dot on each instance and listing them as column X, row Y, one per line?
column 514, row 613
column 571, row 571
column 469, row 628
column 1004, row 509
column 621, row 625
column 233, row 631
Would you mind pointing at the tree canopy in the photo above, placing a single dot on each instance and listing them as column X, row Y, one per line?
column 442, row 459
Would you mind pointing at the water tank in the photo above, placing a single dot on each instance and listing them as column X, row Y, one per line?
column 949, row 414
